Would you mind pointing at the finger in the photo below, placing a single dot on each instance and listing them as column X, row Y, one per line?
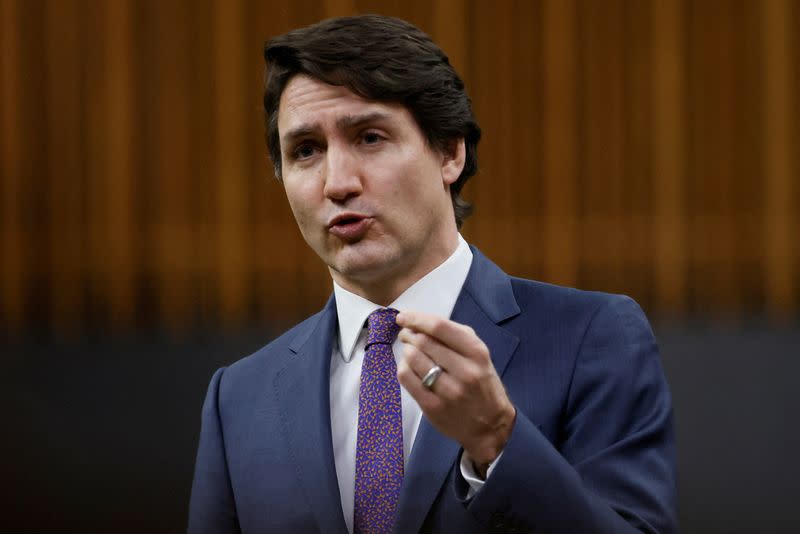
column 459, row 337
column 454, row 363
column 419, row 362
column 426, row 398
column 446, row 385
column 431, row 401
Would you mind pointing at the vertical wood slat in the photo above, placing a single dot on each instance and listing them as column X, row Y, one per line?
column 669, row 229
column 526, row 172
column 560, row 261
column 109, row 261
column 699, row 134
column 724, row 273
column 97, row 183
column 778, row 111
column 493, row 106
column 637, row 182
column 339, row 8
column 119, row 125
column 710, row 99
column 450, row 33
column 745, row 214
column 11, row 258
column 717, row 287
column 231, row 169
column 500, row 187
column 203, row 163
column 173, row 236
column 601, row 157
column 65, row 172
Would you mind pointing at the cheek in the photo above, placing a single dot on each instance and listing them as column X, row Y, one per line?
column 294, row 203
column 301, row 201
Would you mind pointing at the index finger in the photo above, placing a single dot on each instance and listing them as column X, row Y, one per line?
column 458, row 337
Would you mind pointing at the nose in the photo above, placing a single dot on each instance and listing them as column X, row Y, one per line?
column 343, row 178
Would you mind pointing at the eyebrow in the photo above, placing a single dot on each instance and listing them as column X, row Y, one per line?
column 343, row 123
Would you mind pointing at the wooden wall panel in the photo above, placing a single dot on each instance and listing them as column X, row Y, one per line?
column 172, row 238
column 526, row 184
column 560, row 151
column 12, row 266
column 637, row 173
column 601, row 142
column 231, row 114
column 33, row 200
column 97, row 198
column 109, row 123
column 794, row 178
column 780, row 230
column 494, row 106
column 746, row 211
column 711, row 79
column 451, row 29
column 119, row 123
column 64, row 24
column 646, row 147
column 669, row 157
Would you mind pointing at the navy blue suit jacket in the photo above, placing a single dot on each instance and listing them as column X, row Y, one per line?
column 592, row 449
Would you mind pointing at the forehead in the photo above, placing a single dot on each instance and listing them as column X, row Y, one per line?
column 307, row 101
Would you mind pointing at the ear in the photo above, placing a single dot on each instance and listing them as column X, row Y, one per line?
column 453, row 158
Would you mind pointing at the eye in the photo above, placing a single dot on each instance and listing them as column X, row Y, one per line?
column 371, row 138
column 304, row 151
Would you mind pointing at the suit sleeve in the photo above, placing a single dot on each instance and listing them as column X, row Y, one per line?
column 613, row 470
column 212, row 507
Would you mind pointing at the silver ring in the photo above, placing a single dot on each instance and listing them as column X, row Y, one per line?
column 430, row 377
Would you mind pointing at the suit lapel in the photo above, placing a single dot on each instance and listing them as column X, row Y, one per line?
column 485, row 300
column 302, row 393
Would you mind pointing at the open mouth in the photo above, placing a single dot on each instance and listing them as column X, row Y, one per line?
column 348, row 220
column 349, row 227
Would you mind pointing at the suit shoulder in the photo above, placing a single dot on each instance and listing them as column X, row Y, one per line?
column 273, row 353
column 560, row 301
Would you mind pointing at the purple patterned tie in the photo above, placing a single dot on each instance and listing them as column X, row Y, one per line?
column 379, row 449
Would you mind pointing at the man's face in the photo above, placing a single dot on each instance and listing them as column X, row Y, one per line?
column 370, row 196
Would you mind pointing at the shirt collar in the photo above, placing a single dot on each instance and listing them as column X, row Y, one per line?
column 435, row 293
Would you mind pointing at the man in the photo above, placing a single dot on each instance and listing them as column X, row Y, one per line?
column 502, row 405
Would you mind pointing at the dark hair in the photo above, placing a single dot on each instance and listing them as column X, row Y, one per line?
column 384, row 59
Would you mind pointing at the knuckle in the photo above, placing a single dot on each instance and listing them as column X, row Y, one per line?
column 423, row 342
column 410, row 354
column 404, row 372
column 481, row 350
column 475, row 345
column 471, row 378
column 437, row 326
column 459, row 392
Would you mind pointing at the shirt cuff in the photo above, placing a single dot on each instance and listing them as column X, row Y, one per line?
column 471, row 476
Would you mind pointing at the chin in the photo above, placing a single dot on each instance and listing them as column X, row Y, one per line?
column 359, row 270
column 361, row 265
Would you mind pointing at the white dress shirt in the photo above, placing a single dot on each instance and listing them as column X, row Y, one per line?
column 435, row 293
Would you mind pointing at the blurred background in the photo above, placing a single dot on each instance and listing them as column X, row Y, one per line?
column 646, row 147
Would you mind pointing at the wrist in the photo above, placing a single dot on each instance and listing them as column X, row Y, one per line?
column 487, row 448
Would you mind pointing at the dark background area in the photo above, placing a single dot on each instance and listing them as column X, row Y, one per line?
column 100, row 435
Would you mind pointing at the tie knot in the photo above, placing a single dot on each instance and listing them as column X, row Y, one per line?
column 381, row 326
